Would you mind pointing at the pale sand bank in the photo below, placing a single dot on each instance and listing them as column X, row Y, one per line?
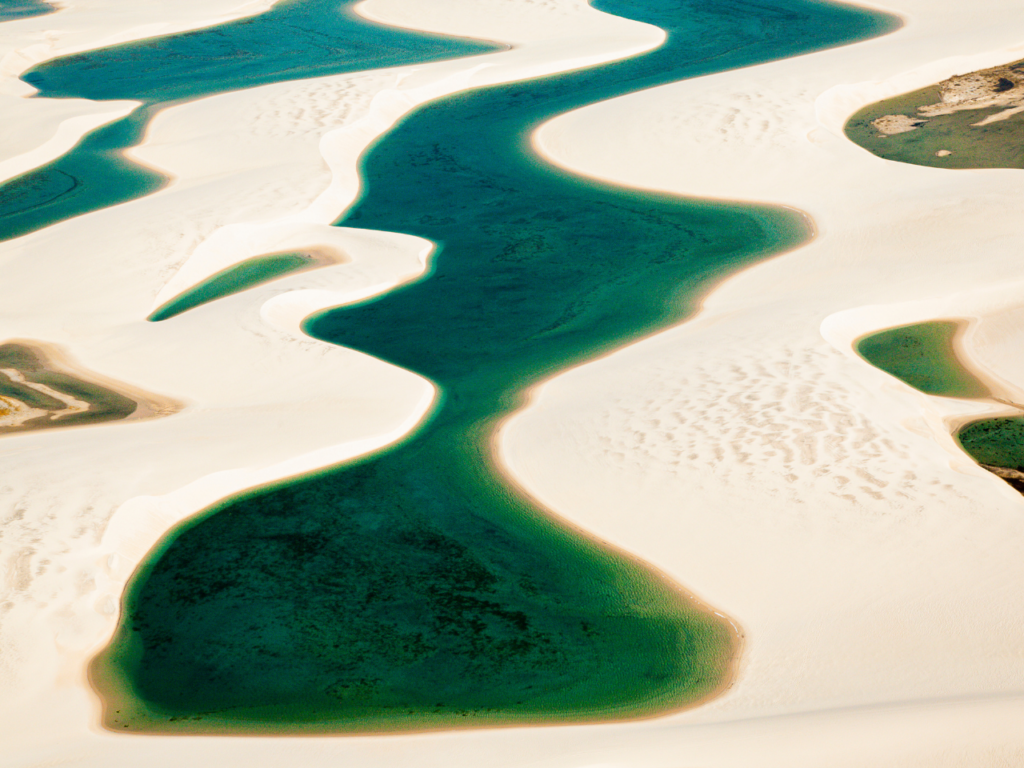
column 769, row 470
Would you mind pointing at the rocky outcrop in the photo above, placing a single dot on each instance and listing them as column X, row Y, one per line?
column 995, row 87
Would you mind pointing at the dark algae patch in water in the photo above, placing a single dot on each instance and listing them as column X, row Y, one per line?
column 417, row 588
column 295, row 39
column 387, row 603
column 938, row 126
column 995, row 442
column 922, row 355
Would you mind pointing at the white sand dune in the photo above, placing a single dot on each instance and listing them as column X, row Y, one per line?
column 748, row 453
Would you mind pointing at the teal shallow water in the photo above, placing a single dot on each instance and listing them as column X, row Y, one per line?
column 295, row 39
column 416, row 588
column 11, row 10
column 92, row 176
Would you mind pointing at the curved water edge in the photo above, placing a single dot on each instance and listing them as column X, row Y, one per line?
column 415, row 589
column 996, row 444
column 923, row 355
column 295, row 39
column 239, row 277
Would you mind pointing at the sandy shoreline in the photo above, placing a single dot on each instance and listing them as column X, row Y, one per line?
column 499, row 462
column 780, row 477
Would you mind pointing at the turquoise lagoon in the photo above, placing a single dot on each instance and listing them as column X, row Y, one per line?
column 416, row 588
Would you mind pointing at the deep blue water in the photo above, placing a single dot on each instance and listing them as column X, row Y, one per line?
column 414, row 587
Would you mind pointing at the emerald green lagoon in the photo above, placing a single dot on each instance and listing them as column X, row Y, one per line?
column 996, row 145
column 416, row 588
column 234, row 279
column 923, row 356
